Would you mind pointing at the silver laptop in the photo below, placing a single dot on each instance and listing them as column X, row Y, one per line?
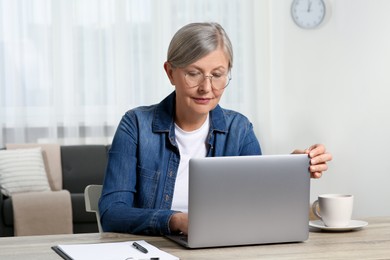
column 247, row 200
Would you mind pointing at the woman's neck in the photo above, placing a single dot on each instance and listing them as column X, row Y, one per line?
column 190, row 123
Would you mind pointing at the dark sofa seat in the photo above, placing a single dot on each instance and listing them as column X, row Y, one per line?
column 82, row 165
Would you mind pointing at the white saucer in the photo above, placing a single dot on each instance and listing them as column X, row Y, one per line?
column 353, row 225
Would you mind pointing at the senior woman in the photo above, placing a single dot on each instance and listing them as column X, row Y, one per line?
column 145, row 189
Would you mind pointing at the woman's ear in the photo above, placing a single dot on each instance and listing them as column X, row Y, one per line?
column 169, row 70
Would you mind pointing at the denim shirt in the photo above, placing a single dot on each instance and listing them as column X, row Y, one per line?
column 144, row 159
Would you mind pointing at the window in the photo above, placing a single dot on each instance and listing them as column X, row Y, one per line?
column 70, row 69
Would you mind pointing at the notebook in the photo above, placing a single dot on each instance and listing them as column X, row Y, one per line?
column 247, row 200
column 111, row 250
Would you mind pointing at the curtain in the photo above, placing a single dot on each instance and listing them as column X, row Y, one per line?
column 69, row 69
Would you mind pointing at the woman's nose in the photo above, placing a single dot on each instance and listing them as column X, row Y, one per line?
column 207, row 84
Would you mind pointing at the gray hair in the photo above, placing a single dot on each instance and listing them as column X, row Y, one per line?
column 196, row 40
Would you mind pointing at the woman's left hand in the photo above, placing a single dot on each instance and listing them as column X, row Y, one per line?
column 318, row 159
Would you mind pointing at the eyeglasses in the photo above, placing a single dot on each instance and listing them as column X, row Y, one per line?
column 218, row 81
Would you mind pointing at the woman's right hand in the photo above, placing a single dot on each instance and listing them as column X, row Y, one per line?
column 179, row 223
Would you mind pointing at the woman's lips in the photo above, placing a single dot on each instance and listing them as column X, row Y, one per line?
column 202, row 100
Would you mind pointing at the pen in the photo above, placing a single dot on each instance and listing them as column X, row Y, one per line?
column 140, row 248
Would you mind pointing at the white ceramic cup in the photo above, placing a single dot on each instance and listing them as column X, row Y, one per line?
column 335, row 210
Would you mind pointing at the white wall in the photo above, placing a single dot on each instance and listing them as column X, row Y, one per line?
column 332, row 85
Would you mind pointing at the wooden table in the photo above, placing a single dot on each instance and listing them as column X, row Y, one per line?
column 371, row 242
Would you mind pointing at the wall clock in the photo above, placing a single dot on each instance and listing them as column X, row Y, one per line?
column 308, row 14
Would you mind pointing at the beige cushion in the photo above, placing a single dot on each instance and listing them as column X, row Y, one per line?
column 22, row 170
column 52, row 158
column 42, row 213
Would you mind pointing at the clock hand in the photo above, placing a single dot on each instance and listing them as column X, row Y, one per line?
column 309, row 6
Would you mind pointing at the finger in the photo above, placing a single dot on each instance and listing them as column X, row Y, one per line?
column 318, row 168
column 298, row 151
column 322, row 158
column 316, row 175
column 316, row 149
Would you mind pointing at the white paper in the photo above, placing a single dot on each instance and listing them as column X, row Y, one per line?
column 114, row 251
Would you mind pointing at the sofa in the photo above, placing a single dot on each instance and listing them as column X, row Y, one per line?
column 77, row 166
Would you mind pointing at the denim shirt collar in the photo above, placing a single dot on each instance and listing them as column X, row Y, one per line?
column 163, row 120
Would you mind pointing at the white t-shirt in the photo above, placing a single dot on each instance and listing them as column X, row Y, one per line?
column 191, row 145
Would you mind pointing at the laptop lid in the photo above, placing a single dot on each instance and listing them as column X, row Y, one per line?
column 247, row 200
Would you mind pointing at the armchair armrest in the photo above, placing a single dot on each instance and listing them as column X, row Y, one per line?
column 42, row 213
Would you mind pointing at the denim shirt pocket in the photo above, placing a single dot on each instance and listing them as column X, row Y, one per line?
column 147, row 185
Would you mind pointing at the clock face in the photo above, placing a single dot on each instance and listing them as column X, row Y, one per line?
column 308, row 14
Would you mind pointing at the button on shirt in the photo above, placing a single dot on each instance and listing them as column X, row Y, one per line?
column 144, row 159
